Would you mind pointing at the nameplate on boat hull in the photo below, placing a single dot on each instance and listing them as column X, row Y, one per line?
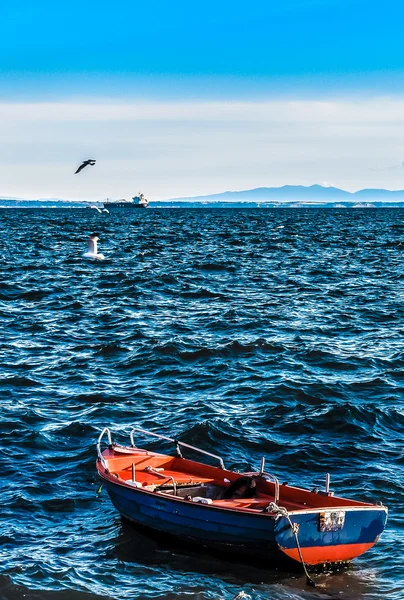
column 331, row 520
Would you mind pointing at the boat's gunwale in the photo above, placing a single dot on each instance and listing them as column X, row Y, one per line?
column 116, row 480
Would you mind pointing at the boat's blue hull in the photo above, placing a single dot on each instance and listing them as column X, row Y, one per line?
column 195, row 522
column 361, row 529
column 249, row 533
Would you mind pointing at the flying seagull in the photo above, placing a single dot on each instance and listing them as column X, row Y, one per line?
column 85, row 163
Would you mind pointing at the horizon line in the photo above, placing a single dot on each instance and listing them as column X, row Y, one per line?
column 199, row 198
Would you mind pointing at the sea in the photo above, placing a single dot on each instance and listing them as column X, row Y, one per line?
column 246, row 332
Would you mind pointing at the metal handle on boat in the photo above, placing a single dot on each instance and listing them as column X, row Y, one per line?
column 155, row 472
column 177, row 443
column 276, row 482
column 99, row 454
column 262, row 473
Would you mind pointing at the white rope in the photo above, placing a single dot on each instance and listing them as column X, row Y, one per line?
column 281, row 511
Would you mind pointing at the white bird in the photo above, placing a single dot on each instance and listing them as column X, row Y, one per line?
column 105, row 210
column 96, row 208
column 92, row 251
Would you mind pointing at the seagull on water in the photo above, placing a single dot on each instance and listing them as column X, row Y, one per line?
column 92, row 251
column 85, row 163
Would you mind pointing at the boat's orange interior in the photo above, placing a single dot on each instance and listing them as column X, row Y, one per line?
column 197, row 479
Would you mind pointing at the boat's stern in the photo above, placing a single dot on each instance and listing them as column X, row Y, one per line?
column 329, row 536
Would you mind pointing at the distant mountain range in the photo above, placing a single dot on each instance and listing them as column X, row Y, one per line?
column 299, row 193
column 292, row 196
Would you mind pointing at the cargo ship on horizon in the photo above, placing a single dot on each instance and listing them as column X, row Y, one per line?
column 138, row 201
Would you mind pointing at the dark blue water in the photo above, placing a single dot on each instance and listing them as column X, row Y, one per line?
column 247, row 332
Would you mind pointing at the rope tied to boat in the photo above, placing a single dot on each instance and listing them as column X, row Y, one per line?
column 280, row 511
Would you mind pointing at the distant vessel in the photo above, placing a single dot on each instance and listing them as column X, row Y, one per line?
column 137, row 202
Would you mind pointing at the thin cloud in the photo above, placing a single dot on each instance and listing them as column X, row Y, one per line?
column 172, row 149
column 390, row 168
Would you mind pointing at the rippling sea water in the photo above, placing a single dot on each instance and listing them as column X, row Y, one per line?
column 246, row 332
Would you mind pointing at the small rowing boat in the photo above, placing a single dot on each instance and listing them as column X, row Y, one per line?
column 249, row 514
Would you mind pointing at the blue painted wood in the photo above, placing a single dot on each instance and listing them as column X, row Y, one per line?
column 360, row 527
column 195, row 522
column 238, row 531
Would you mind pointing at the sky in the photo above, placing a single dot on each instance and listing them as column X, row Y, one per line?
column 190, row 98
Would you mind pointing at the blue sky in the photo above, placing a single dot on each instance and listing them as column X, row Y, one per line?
column 273, row 46
column 189, row 98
